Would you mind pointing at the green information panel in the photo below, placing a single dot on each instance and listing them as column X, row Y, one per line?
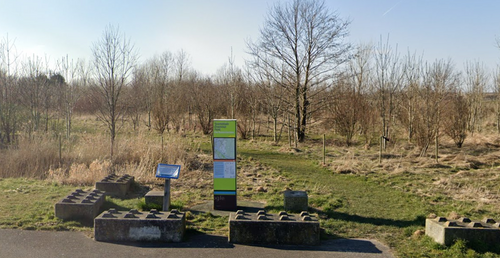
column 224, row 184
column 224, row 128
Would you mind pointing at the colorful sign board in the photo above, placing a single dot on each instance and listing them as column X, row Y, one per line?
column 225, row 128
column 224, row 156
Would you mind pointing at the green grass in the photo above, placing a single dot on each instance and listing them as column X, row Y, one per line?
column 29, row 204
column 377, row 206
column 352, row 206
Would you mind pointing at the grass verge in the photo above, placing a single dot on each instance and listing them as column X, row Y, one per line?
column 352, row 206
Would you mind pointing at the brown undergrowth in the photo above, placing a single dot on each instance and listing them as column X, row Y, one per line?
column 469, row 174
column 85, row 159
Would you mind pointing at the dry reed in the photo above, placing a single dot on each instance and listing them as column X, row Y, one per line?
column 86, row 160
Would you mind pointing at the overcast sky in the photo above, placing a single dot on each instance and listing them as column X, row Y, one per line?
column 208, row 30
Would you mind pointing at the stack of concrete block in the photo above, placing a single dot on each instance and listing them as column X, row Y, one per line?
column 132, row 226
column 282, row 228
column 446, row 231
column 115, row 185
column 81, row 206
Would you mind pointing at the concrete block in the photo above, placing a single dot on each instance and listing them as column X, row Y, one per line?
column 446, row 231
column 282, row 228
column 296, row 201
column 154, row 197
column 115, row 185
column 135, row 226
column 81, row 206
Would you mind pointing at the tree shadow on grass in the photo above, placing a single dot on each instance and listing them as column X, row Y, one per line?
column 418, row 221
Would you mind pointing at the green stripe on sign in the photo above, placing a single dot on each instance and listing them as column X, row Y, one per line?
column 225, row 128
column 228, row 184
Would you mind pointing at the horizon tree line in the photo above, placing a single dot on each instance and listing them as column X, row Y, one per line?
column 301, row 71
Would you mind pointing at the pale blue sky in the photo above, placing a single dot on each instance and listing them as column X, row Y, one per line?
column 207, row 30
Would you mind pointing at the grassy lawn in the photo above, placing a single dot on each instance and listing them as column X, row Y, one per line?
column 362, row 207
column 389, row 207
column 29, row 204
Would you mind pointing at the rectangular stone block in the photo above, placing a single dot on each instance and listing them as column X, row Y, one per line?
column 296, row 201
column 115, row 185
column 154, row 197
column 135, row 226
column 81, row 206
column 446, row 231
column 282, row 228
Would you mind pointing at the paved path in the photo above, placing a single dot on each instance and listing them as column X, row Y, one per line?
column 41, row 244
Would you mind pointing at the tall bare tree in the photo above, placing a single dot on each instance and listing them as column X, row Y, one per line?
column 388, row 78
column 456, row 117
column 182, row 62
column 205, row 100
column 439, row 79
column 70, row 90
column 9, row 119
column 33, row 88
column 360, row 71
column 412, row 81
column 496, row 85
column 306, row 41
column 159, row 70
column 114, row 60
column 476, row 80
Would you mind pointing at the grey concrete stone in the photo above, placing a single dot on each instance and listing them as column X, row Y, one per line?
column 445, row 231
column 81, row 206
column 135, row 226
column 154, row 197
column 282, row 228
column 115, row 185
column 296, row 201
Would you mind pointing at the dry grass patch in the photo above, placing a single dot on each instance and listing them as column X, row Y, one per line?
column 86, row 159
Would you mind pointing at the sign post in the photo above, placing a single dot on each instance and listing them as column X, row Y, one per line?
column 224, row 156
column 168, row 172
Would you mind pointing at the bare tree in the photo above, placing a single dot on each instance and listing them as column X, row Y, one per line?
column 360, row 71
column 343, row 112
column 306, row 41
column 143, row 82
column 205, row 100
column 348, row 109
column 388, row 80
column 182, row 61
column 231, row 78
column 114, row 60
column 456, row 117
column 70, row 90
column 160, row 71
column 439, row 80
column 9, row 119
column 413, row 73
column 476, row 80
column 33, row 89
column 496, row 84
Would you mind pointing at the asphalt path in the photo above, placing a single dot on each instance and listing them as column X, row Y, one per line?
column 41, row 244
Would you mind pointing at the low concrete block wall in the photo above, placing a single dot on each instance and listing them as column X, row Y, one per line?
column 282, row 228
column 135, row 226
column 115, row 185
column 81, row 206
column 446, row 231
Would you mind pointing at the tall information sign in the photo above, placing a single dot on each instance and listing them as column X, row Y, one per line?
column 224, row 156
